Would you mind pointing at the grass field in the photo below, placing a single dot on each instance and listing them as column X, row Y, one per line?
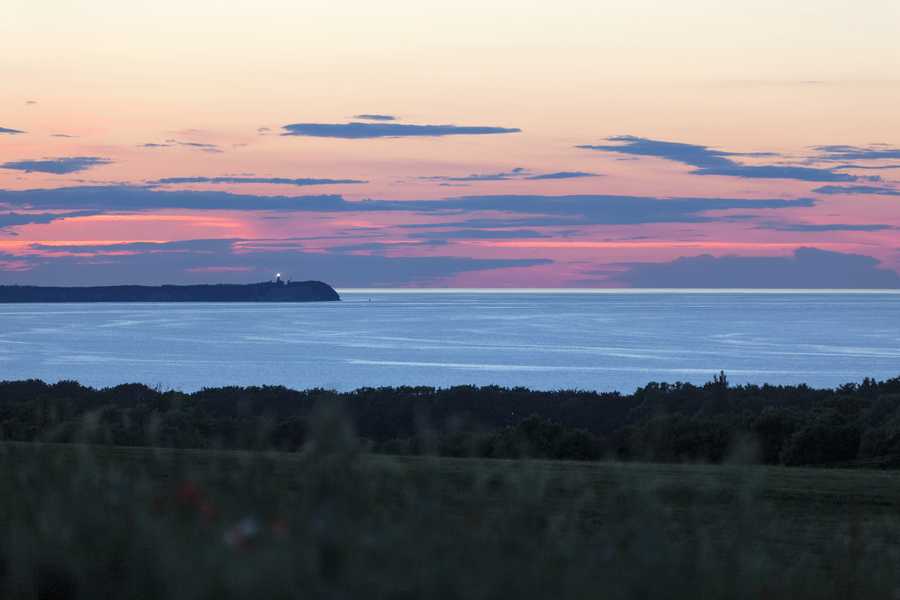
column 336, row 522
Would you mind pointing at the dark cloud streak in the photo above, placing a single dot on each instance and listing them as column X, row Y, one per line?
column 857, row 189
column 608, row 210
column 856, row 153
column 476, row 234
column 57, row 166
column 545, row 210
column 688, row 154
column 778, row 172
column 356, row 131
column 564, row 175
column 375, row 117
column 273, row 180
column 824, row 227
column 867, row 167
column 12, row 219
column 515, row 174
column 212, row 148
column 716, row 162
column 475, row 177
column 204, row 147
column 138, row 198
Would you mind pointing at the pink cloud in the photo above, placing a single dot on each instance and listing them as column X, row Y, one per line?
column 15, row 265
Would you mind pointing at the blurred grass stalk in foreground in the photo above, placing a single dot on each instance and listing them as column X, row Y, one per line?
column 337, row 522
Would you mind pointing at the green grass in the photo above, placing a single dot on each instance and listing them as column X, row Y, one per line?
column 336, row 522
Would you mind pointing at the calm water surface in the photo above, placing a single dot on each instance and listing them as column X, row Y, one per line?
column 600, row 341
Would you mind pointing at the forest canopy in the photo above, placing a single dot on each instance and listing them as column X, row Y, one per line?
column 851, row 425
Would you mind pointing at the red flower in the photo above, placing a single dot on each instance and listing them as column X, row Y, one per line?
column 190, row 495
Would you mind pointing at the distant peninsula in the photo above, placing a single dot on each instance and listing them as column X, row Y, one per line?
column 269, row 291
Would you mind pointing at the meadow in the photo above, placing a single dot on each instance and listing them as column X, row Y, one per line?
column 336, row 521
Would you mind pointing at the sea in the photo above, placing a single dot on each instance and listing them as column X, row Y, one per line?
column 604, row 340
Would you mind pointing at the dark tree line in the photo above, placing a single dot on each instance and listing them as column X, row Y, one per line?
column 852, row 425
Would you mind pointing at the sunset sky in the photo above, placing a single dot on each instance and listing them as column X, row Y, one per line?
column 573, row 143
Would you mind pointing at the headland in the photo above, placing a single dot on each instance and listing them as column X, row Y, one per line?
column 268, row 291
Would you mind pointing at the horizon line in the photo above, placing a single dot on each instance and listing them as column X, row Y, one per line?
column 449, row 290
